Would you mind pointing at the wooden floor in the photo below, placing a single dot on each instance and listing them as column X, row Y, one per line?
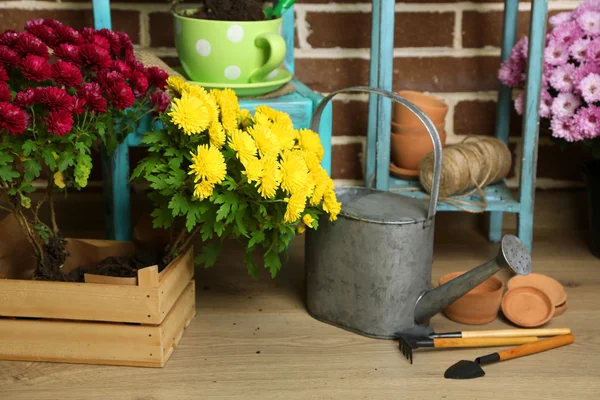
column 254, row 339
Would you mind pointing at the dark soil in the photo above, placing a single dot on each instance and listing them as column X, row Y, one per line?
column 231, row 10
column 55, row 256
column 127, row 267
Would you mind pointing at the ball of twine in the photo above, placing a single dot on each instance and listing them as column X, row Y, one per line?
column 468, row 166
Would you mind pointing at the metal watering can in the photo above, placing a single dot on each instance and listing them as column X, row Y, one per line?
column 370, row 270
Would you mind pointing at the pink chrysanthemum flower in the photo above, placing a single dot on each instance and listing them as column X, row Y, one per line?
column 560, row 18
column 564, row 129
column 519, row 103
column 582, row 71
column 561, row 77
column 567, row 33
column 590, row 88
column 587, row 121
column 593, row 51
column 556, row 53
column 578, row 49
column 546, row 101
column 564, row 105
column 590, row 22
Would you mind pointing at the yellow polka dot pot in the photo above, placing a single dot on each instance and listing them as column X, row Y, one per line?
column 229, row 52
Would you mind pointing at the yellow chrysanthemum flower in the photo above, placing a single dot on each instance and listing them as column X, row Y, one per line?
column 262, row 119
column 275, row 116
column 254, row 170
column 246, row 118
column 266, row 142
column 190, row 114
column 294, row 172
column 331, row 205
column 208, row 164
column 203, row 190
column 308, row 220
column 311, row 142
column 200, row 93
column 217, row 134
column 300, row 229
column 271, row 177
column 244, row 145
column 323, row 184
column 295, row 207
column 176, row 84
column 311, row 160
column 286, row 136
column 230, row 108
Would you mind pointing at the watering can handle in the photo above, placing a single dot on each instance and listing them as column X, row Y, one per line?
column 433, row 133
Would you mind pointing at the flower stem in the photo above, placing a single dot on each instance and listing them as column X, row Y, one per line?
column 187, row 242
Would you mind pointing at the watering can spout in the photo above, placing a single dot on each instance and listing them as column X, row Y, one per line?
column 513, row 254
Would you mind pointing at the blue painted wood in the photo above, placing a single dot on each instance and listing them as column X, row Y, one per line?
column 371, row 150
column 288, row 35
column 504, row 103
column 102, row 18
column 537, row 33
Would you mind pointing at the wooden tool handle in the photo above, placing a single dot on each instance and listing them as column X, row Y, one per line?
column 483, row 342
column 537, row 347
column 516, row 332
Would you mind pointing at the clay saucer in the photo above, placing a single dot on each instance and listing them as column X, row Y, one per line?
column 401, row 173
column 527, row 306
column 559, row 310
column 546, row 284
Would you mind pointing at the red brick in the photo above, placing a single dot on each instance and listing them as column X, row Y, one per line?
column 161, row 30
column 479, row 118
column 345, row 163
column 126, row 21
column 353, row 29
column 350, row 118
column 436, row 74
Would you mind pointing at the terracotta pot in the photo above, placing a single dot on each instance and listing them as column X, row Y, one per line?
column 480, row 305
column 527, row 306
column 410, row 145
column 435, row 108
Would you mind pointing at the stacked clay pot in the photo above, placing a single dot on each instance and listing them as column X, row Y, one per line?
column 410, row 141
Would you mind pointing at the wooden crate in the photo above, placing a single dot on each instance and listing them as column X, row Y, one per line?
column 95, row 323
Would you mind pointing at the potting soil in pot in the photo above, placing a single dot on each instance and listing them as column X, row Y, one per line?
column 231, row 10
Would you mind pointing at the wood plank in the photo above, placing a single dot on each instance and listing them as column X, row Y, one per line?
column 79, row 342
column 175, row 280
column 79, row 301
column 171, row 330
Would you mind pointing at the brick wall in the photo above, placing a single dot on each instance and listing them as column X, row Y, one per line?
column 447, row 47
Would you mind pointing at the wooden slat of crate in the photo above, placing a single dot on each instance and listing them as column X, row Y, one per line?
column 97, row 342
column 97, row 302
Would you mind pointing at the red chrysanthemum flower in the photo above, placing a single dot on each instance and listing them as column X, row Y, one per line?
column 5, row 94
column 91, row 92
column 34, row 22
column 121, row 67
column 9, row 37
column 101, row 41
column 59, row 122
column 9, row 56
column 121, row 95
column 68, row 52
column 140, row 83
column 125, row 41
column 28, row 97
column 3, row 74
column 66, row 74
column 29, row 44
column 113, row 38
column 78, row 106
column 44, row 33
column 134, row 63
column 87, row 33
column 95, row 56
column 108, row 78
column 52, row 23
column 12, row 118
column 161, row 100
column 157, row 76
column 56, row 98
column 36, row 68
column 66, row 34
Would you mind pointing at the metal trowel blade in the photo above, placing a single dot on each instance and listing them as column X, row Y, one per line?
column 464, row 370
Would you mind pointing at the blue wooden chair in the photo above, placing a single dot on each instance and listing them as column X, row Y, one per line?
column 499, row 197
column 299, row 105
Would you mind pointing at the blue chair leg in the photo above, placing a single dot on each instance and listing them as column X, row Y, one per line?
column 537, row 33
column 326, row 133
column 118, row 198
column 495, row 229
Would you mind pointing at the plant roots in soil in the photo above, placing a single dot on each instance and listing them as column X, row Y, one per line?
column 55, row 256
